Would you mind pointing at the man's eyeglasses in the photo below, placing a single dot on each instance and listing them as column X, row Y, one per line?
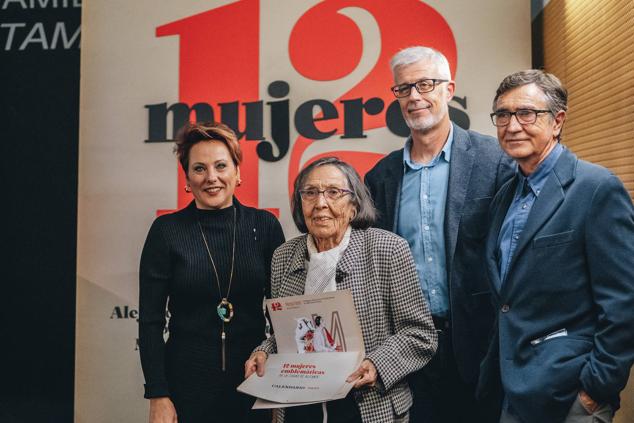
column 422, row 86
column 310, row 194
column 524, row 116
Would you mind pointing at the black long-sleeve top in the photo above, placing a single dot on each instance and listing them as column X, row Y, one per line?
column 175, row 266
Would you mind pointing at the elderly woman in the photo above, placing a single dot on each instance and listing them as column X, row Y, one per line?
column 340, row 251
column 211, row 261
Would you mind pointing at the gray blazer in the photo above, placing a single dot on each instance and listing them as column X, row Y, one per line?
column 399, row 336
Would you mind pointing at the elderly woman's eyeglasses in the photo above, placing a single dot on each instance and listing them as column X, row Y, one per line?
column 422, row 86
column 523, row 116
column 310, row 194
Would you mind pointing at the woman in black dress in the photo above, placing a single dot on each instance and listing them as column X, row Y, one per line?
column 210, row 265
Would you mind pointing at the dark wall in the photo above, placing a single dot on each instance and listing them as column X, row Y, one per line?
column 537, row 40
column 39, row 104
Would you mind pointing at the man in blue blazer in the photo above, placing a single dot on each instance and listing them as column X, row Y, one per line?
column 435, row 193
column 560, row 257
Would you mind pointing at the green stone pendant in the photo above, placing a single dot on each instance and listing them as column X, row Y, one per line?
column 225, row 310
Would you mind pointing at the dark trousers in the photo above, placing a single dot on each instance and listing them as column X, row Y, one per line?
column 200, row 390
column 576, row 414
column 223, row 407
column 344, row 410
column 440, row 394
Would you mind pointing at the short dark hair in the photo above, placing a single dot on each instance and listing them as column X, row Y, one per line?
column 365, row 215
column 551, row 86
column 193, row 133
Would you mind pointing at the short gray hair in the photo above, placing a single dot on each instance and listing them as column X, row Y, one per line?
column 414, row 54
column 555, row 92
column 365, row 215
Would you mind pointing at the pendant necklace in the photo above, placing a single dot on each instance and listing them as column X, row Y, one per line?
column 224, row 307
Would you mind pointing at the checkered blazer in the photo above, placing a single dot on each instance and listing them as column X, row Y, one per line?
column 398, row 332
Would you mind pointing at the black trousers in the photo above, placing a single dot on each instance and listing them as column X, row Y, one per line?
column 440, row 394
column 200, row 390
column 222, row 407
column 344, row 410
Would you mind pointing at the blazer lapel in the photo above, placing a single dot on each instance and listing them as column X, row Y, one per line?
column 460, row 166
column 392, row 190
column 350, row 260
column 506, row 196
column 548, row 201
column 294, row 280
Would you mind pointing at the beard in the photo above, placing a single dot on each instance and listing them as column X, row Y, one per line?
column 426, row 123
column 420, row 124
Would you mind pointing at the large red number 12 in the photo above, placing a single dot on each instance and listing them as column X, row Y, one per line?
column 323, row 32
column 219, row 62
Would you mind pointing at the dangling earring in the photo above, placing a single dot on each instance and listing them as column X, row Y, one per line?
column 187, row 188
column 239, row 182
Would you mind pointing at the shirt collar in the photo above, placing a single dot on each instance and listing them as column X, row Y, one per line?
column 537, row 179
column 445, row 153
column 335, row 251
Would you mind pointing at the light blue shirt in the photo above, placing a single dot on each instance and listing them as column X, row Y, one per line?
column 421, row 217
column 527, row 191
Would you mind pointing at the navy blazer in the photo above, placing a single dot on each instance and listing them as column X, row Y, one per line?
column 477, row 169
column 565, row 313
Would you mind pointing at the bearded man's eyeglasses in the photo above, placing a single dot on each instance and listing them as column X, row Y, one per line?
column 422, row 86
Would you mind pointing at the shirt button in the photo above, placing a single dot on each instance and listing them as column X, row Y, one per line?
column 430, row 259
column 516, row 237
column 524, row 205
column 433, row 291
column 505, row 308
column 426, row 227
column 425, row 197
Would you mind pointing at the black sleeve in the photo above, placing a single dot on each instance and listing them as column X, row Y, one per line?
column 368, row 180
column 154, row 276
column 275, row 239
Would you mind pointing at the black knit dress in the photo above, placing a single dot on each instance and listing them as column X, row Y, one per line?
column 176, row 270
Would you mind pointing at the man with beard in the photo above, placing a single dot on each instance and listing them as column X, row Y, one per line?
column 435, row 193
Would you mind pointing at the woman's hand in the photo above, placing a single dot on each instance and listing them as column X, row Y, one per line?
column 162, row 410
column 364, row 375
column 255, row 363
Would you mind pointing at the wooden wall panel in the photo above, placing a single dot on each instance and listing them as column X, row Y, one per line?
column 589, row 45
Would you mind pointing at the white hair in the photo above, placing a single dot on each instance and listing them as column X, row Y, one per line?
column 414, row 54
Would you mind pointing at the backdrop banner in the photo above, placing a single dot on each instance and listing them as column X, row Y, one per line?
column 295, row 79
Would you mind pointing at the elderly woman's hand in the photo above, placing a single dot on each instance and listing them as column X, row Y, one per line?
column 255, row 363
column 364, row 375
